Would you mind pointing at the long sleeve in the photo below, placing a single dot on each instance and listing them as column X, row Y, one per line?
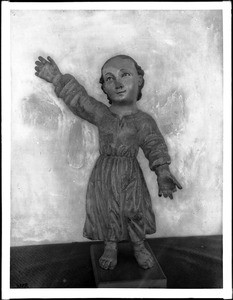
column 152, row 142
column 79, row 102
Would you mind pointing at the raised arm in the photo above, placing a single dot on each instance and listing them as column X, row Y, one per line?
column 70, row 91
column 155, row 149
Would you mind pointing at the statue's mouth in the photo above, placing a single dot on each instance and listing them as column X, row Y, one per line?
column 121, row 92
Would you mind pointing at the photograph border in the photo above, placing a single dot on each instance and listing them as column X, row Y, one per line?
column 226, row 291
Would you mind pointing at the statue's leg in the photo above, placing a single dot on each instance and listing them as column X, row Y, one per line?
column 142, row 255
column 109, row 258
column 137, row 236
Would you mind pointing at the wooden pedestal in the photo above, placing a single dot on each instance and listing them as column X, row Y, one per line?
column 127, row 273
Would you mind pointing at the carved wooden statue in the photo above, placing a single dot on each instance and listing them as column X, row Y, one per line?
column 118, row 204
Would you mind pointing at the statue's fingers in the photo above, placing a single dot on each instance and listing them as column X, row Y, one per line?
column 177, row 183
column 42, row 59
column 37, row 74
column 38, row 63
column 170, row 195
column 52, row 61
column 37, row 69
column 174, row 189
column 160, row 193
column 165, row 195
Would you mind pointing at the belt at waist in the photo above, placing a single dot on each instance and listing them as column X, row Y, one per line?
column 131, row 156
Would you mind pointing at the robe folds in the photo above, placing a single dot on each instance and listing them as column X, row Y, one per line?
column 118, row 203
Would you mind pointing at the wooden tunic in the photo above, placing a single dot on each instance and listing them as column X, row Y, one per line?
column 118, row 203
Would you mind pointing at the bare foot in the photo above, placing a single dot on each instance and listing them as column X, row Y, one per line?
column 109, row 258
column 143, row 256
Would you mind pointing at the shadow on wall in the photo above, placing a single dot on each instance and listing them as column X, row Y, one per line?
column 59, row 152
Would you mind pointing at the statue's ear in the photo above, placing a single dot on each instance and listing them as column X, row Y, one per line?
column 103, row 87
column 140, row 80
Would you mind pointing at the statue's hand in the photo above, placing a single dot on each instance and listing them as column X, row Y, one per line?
column 167, row 184
column 47, row 69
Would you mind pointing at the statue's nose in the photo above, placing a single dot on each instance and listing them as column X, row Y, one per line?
column 118, row 84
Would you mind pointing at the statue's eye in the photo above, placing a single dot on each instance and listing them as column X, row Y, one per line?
column 125, row 74
column 109, row 78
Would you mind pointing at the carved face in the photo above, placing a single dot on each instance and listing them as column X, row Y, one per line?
column 121, row 80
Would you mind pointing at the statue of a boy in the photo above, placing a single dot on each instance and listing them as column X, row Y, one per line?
column 118, row 204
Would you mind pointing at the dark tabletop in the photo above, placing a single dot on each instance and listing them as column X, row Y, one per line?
column 188, row 262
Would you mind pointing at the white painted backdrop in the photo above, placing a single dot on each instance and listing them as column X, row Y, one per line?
column 53, row 151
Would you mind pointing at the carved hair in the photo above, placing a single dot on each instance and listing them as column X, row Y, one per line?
column 138, row 68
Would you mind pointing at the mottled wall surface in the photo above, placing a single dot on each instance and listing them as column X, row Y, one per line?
column 53, row 151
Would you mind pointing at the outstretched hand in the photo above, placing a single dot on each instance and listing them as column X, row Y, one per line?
column 167, row 185
column 47, row 69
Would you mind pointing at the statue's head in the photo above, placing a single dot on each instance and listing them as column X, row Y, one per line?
column 122, row 78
